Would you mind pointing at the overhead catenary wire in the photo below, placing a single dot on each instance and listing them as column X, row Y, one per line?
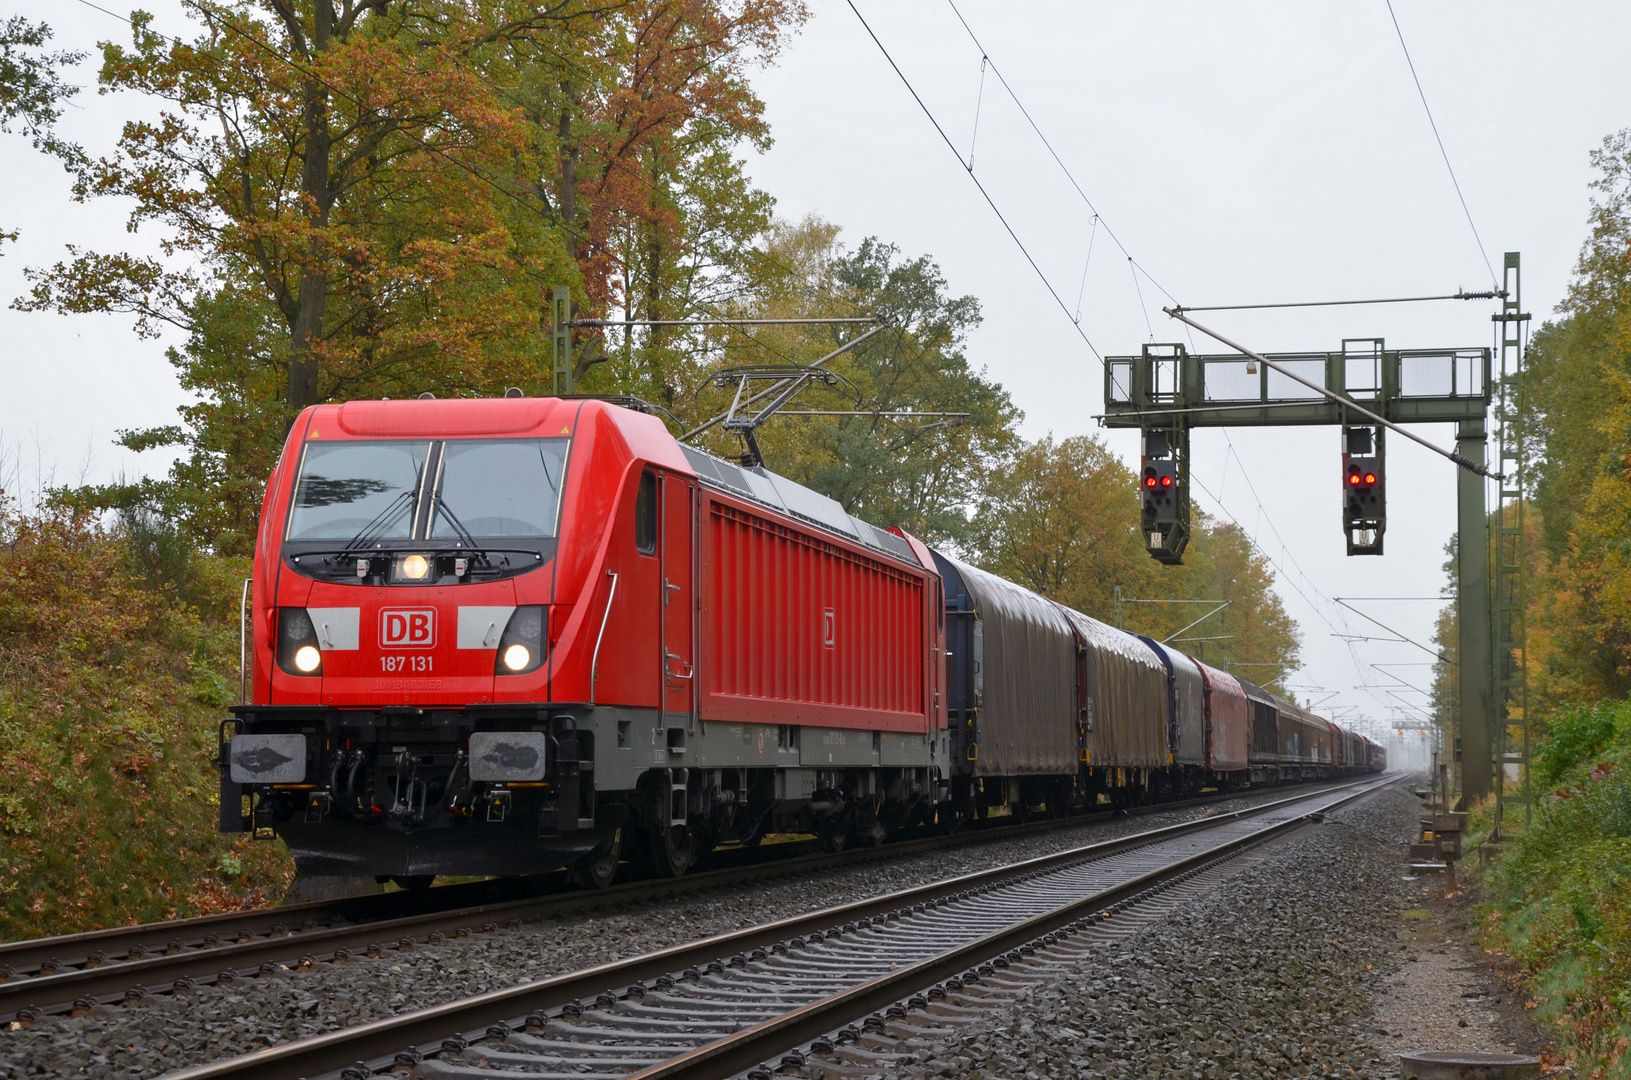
column 1282, row 572
column 1347, row 403
column 1142, row 306
column 1440, row 140
column 1049, row 146
column 1081, row 290
column 1492, row 294
column 1402, row 637
column 979, row 99
column 983, row 193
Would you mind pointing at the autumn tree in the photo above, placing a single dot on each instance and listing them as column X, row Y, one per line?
column 1061, row 517
column 32, row 91
column 363, row 199
column 1578, row 381
column 884, row 462
column 1253, row 636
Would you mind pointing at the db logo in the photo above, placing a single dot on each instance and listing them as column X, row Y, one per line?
column 407, row 628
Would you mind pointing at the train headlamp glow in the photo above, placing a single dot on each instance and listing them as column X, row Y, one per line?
column 413, row 567
column 298, row 650
column 521, row 648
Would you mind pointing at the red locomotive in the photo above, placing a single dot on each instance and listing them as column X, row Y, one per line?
column 499, row 636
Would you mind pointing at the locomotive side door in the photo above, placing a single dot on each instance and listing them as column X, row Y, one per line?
column 678, row 548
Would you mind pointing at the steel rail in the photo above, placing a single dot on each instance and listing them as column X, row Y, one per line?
column 473, row 897
column 735, row 1053
column 379, row 1040
column 244, row 941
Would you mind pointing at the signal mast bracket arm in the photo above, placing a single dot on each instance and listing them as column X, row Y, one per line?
column 1346, row 403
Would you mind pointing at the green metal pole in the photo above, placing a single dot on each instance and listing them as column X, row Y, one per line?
column 1476, row 659
column 560, row 339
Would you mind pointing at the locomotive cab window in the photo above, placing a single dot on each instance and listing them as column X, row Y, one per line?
column 475, row 488
column 645, row 514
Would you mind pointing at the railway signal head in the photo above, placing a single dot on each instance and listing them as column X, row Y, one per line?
column 1160, row 492
column 1364, row 506
column 1163, row 501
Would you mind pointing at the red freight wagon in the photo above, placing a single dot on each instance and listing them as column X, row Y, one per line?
column 1228, row 722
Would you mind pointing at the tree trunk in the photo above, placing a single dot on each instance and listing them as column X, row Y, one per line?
column 307, row 330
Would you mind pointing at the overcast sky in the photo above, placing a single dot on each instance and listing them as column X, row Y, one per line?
column 1242, row 152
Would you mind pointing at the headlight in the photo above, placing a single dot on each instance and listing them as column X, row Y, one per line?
column 412, row 567
column 521, row 648
column 297, row 650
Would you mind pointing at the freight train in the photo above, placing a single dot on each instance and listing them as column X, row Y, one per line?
column 502, row 636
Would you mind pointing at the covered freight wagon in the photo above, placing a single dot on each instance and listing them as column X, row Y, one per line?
column 1126, row 702
column 1265, row 747
column 1186, row 703
column 1014, row 658
column 1228, row 721
column 1305, row 739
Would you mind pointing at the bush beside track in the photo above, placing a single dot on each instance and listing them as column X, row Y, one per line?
column 118, row 651
column 1558, row 899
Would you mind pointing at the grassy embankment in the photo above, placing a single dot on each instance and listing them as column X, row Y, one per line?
column 1558, row 900
column 118, row 655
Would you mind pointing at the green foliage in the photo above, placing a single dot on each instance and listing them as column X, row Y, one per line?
column 1578, row 384
column 31, row 89
column 1575, row 735
column 924, row 475
column 1560, row 896
column 118, row 654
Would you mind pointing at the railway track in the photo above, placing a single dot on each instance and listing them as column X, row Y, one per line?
column 73, row 973
column 777, row 992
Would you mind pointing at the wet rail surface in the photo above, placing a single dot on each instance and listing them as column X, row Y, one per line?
column 717, row 1007
column 73, row 973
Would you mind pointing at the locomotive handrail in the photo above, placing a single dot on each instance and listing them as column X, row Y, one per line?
column 243, row 644
column 594, row 660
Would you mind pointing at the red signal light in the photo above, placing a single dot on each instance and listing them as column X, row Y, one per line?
column 1149, row 481
column 1353, row 478
column 1370, row 478
column 1166, row 481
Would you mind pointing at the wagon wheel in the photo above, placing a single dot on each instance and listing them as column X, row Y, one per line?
column 597, row 869
column 833, row 838
column 671, row 850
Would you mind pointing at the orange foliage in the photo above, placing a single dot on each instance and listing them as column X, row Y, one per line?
column 110, row 689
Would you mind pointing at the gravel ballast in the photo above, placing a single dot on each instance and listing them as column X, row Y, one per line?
column 1277, row 974
column 164, row 1032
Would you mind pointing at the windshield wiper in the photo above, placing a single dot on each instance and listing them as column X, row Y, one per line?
column 381, row 520
column 443, row 510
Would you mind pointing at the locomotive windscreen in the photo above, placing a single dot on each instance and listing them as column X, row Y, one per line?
column 489, row 488
column 499, row 487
